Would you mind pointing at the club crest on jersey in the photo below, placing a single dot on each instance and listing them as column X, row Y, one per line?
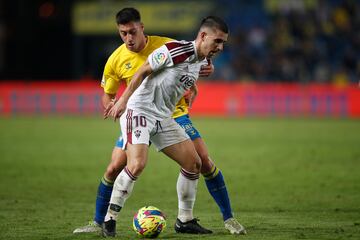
column 137, row 133
column 187, row 81
column 127, row 66
column 160, row 58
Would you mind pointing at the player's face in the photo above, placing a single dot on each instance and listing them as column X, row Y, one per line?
column 132, row 34
column 213, row 42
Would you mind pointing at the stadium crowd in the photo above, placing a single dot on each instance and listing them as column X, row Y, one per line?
column 302, row 44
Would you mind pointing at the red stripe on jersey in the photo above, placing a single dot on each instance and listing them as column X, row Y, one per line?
column 181, row 58
column 179, row 52
column 172, row 45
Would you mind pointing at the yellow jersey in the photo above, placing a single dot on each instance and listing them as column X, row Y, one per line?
column 123, row 63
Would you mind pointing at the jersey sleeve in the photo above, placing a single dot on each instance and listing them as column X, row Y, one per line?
column 160, row 58
column 110, row 82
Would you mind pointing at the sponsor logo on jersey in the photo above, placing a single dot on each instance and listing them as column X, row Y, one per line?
column 160, row 58
column 187, row 81
column 128, row 66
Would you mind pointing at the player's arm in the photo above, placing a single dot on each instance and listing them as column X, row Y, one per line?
column 110, row 82
column 108, row 101
column 191, row 95
column 118, row 109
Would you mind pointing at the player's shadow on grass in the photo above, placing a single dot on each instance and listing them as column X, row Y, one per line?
column 216, row 234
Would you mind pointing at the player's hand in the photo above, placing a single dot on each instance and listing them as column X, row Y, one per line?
column 117, row 110
column 108, row 107
column 189, row 98
column 206, row 70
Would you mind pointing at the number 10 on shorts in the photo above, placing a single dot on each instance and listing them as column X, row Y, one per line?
column 139, row 121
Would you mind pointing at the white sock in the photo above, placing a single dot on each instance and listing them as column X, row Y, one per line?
column 122, row 189
column 186, row 189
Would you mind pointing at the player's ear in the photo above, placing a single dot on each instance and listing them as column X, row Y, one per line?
column 142, row 26
column 203, row 35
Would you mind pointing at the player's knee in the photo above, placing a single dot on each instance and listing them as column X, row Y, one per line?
column 112, row 171
column 206, row 165
column 137, row 168
column 193, row 166
column 196, row 165
column 204, row 156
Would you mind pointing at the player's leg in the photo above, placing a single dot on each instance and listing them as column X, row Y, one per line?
column 214, row 179
column 173, row 142
column 136, row 140
column 188, row 177
column 213, row 176
column 185, row 155
column 124, row 183
column 118, row 162
column 217, row 188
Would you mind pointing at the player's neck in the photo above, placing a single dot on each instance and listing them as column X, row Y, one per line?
column 143, row 44
column 198, row 52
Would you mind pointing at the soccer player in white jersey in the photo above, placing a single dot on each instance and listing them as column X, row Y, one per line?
column 120, row 67
column 145, row 110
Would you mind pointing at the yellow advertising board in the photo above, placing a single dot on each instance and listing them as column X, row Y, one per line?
column 94, row 18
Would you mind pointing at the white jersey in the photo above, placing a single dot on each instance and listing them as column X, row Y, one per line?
column 175, row 68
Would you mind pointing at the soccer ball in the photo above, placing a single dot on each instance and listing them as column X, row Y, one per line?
column 149, row 222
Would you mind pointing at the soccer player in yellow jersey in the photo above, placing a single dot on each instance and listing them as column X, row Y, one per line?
column 121, row 66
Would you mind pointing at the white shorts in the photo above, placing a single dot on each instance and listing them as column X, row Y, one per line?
column 140, row 128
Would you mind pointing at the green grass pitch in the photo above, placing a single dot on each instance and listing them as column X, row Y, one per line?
column 287, row 178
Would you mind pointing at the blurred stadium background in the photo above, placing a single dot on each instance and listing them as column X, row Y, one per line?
column 284, row 57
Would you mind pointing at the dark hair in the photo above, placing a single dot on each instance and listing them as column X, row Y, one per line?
column 127, row 15
column 214, row 22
